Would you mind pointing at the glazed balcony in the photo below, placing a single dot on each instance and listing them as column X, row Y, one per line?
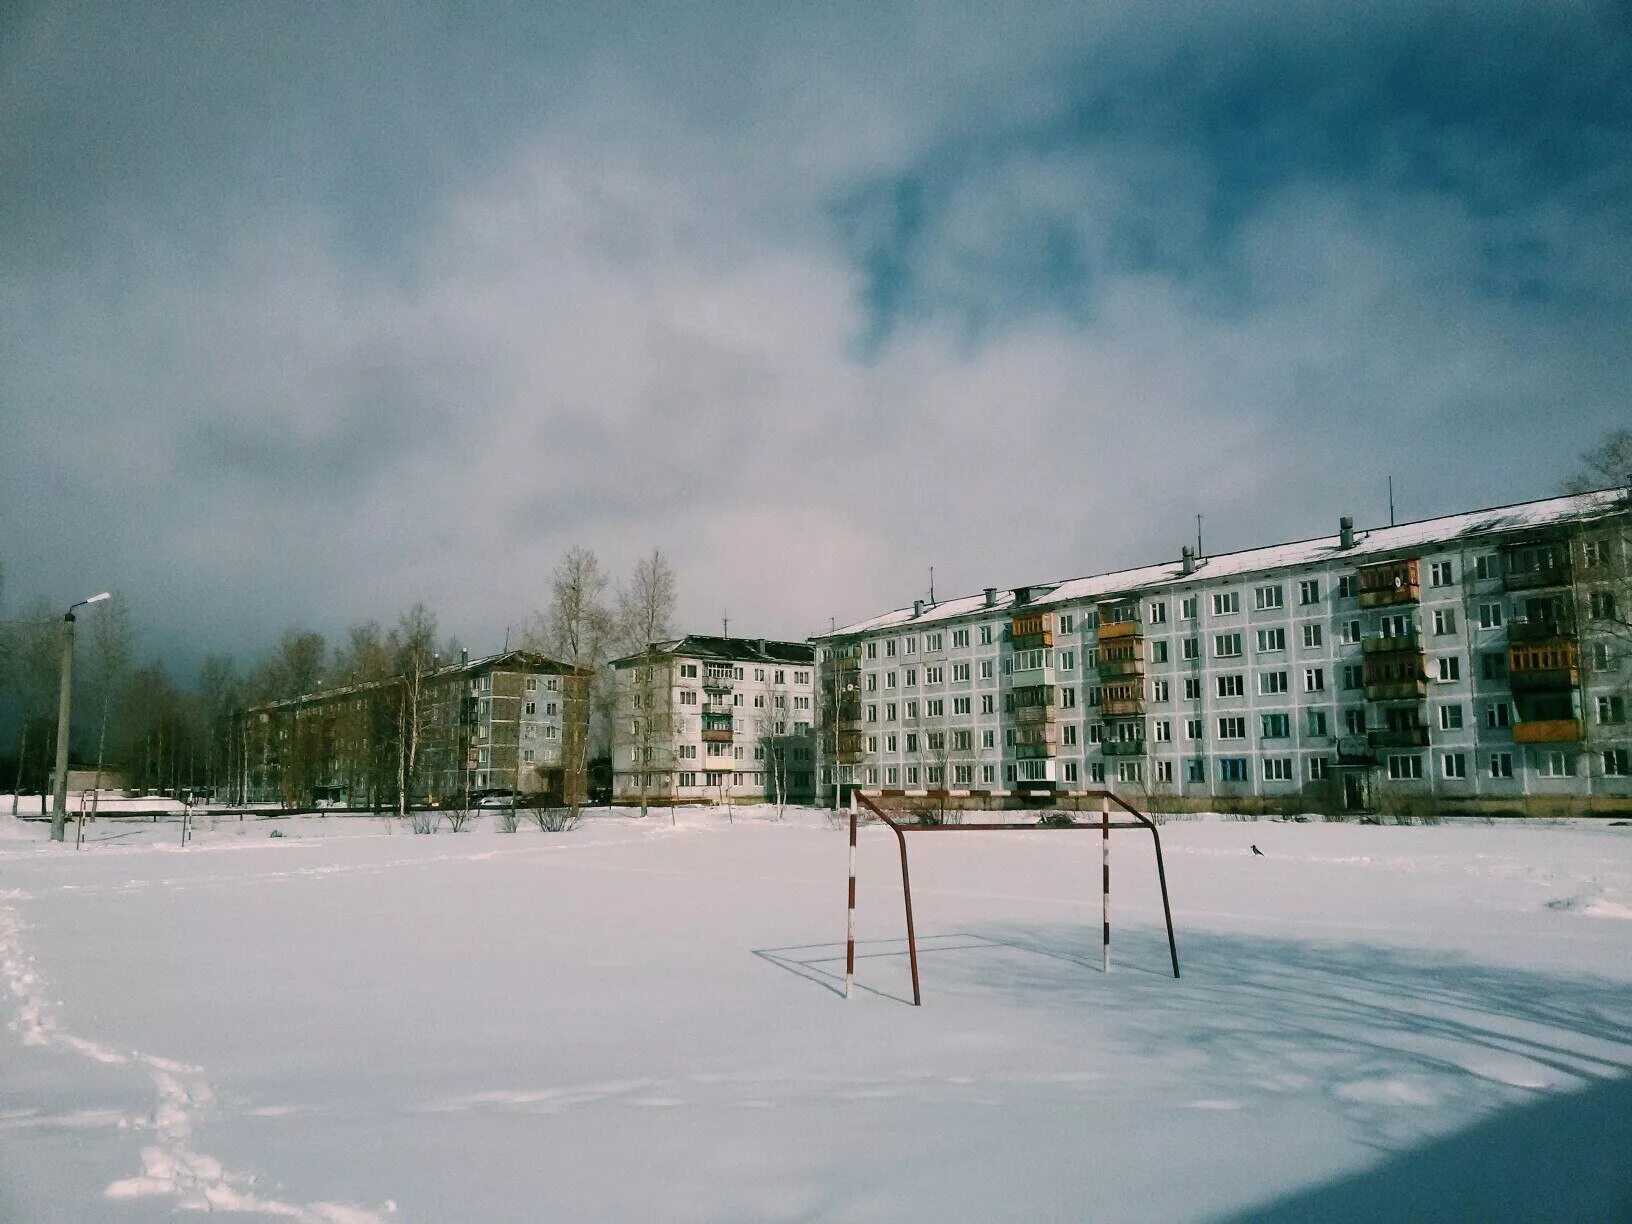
column 1121, row 707
column 1400, row 643
column 1398, row 690
column 1542, row 666
column 1392, row 675
column 1030, row 715
column 1546, row 629
column 718, row 684
column 1555, row 573
column 1391, row 582
column 1548, row 731
column 1033, row 631
column 1121, row 748
column 1398, row 737
column 1112, row 669
column 1120, row 630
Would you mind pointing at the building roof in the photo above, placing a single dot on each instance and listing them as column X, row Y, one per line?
column 727, row 649
column 1373, row 544
column 469, row 667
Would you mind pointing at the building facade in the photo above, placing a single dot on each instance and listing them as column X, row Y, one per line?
column 704, row 719
column 1477, row 662
column 513, row 721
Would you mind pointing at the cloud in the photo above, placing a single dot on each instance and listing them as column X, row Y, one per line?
column 309, row 318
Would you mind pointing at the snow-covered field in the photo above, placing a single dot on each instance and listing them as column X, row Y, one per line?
column 639, row 1021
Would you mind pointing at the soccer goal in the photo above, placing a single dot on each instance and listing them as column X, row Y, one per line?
column 997, row 812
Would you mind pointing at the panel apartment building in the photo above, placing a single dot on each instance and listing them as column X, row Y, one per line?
column 702, row 719
column 510, row 721
column 1479, row 661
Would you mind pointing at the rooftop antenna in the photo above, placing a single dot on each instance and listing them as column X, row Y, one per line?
column 932, row 586
column 1198, row 538
column 832, row 624
column 1391, row 501
column 507, row 639
column 725, row 619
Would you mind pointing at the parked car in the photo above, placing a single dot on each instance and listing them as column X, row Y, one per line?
column 496, row 799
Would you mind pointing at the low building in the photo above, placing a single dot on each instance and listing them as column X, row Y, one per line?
column 511, row 721
column 705, row 719
column 1475, row 662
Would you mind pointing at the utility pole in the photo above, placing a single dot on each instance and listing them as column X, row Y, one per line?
column 59, row 796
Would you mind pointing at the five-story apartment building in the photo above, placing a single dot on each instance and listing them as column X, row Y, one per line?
column 1477, row 661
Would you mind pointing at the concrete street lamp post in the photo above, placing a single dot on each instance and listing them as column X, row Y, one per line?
column 59, row 798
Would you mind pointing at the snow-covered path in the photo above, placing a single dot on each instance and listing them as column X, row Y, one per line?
column 637, row 1022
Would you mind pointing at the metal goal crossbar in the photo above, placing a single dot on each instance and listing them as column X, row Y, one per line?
column 971, row 812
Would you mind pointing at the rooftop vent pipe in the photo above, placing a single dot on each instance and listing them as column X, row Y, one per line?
column 1345, row 531
column 991, row 597
column 1022, row 594
column 761, row 644
column 917, row 607
column 1187, row 560
column 464, row 657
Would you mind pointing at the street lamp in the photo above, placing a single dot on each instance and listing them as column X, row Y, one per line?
column 59, row 800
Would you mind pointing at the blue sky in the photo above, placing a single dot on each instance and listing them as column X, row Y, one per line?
column 308, row 315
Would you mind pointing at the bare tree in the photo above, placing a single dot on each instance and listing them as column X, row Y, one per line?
column 109, row 664
column 644, row 618
column 33, row 651
column 412, row 647
column 1606, row 465
column 575, row 628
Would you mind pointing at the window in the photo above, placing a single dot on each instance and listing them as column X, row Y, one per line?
column 1445, row 620
column 909, row 645
column 1312, row 634
column 1067, row 660
column 912, row 741
column 1271, row 639
column 1129, row 771
column 1453, row 765
column 1068, row 622
column 1450, row 667
column 960, row 671
column 1070, row 768
column 934, row 642
column 872, row 650
column 1498, row 714
column 1190, row 649
column 988, row 703
column 1616, row 764
column 889, row 680
column 1161, row 731
column 889, row 648
column 985, row 635
column 963, row 740
column 1355, row 721
column 935, row 708
column 1272, row 682
column 1227, row 645
column 1277, row 769
column 1354, row 676
column 1187, row 608
column 1158, row 612
column 872, row 682
column 1405, row 768
column 688, row 697
column 1068, row 697
column 960, row 705
column 1348, row 586
column 1192, row 728
column 1309, row 591
column 1351, row 633
column 1068, row 734
column 872, row 743
column 1612, row 709
column 1493, row 665
column 531, row 707
column 1314, row 679
column 872, row 712
column 1232, row 769
column 1553, row 763
column 934, row 675
column 1450, row 718
column 1266, row 597
column 960, row 637
column 1158, row 652
column 1602, row 605
column 1485, row 567
column 1158, row 690
column 1440, row 574
column 1317, row 722
column 1232, row 728
column 1164, row 771
column 1226, row 602
column 986, row 671
column 1232, row 685
column 1276, row 726
column 1501, row 764
column 891, row 743
column 1319, row 769
column 1096, row 733
column 1600, row 656
column 988, row 739
column 1195, row 771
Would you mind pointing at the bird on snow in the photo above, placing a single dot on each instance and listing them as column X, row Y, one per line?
column 1258, row 852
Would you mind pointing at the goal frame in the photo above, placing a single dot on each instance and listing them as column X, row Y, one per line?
column 1044, row 803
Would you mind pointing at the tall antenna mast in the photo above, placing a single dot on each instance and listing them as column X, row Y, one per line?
column 932, row 586
column 1198, row 538
column 725, row 620
column 1391, row 501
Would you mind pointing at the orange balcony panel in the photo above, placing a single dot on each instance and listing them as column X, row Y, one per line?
column 1548, row 731
column 1120, row 629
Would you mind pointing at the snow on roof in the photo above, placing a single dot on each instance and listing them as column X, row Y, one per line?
column 732, row 649
column 1374, row 543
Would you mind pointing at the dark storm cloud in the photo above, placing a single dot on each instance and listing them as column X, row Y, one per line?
column 311, row 312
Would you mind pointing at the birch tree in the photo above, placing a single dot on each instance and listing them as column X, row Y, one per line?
column 644, row 618
column 412, row 646
column 576, row 628
column 109, row 666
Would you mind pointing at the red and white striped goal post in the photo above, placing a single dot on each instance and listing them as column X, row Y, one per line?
column 928, row 811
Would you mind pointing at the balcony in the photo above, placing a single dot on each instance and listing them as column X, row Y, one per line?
column 1121, row 707
column 1538, row 668
column 1391, row 582
column 1120, row 629
column 1400, row 643
column 1130, row 747
column 1549, row 731
column 1545, row 629
column 1398, row 690
column 1536, row 577
column 1109, row 669
column 1398, row 737
column 1033, row 631
column 1030, row 715
column 716, row 735
column 718, row 684
column 1033, row 752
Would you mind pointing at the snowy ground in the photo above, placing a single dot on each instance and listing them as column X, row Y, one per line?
column 639, row 1021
